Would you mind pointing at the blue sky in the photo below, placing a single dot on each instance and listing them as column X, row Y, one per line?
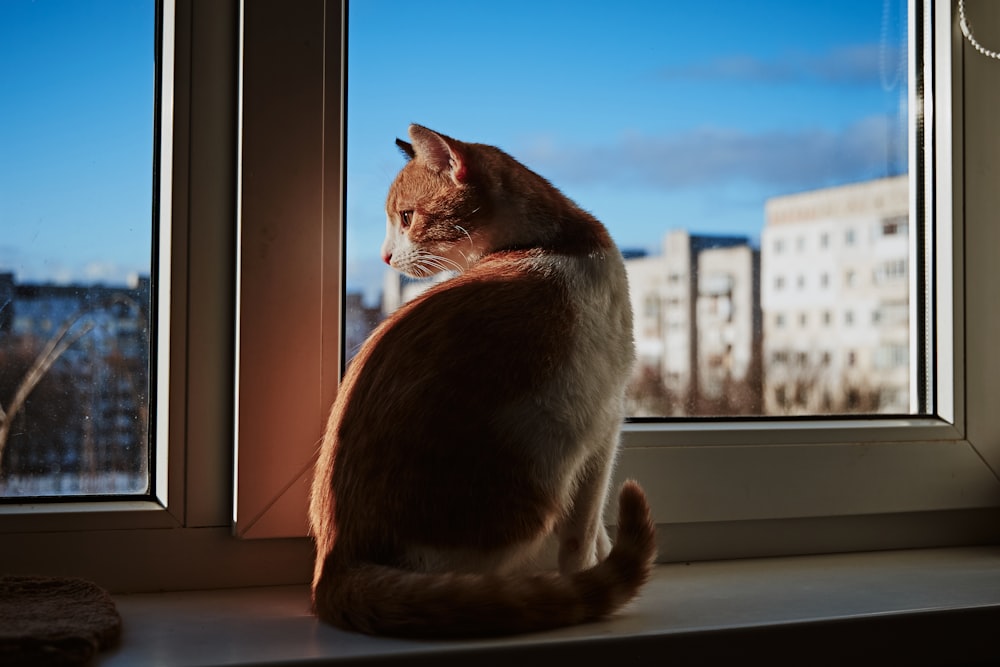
column 76, row 138
column 650, row 114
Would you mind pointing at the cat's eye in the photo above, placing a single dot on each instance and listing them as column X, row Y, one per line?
column 406, row 218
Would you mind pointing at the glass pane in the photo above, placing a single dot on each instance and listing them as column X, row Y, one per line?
column 749, row 158
column 76, row 157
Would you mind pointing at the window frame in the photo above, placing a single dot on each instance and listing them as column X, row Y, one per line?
column 181, row 537
column 790, row 487
column 730, row 457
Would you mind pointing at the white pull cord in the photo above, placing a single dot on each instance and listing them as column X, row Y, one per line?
column 963, row 22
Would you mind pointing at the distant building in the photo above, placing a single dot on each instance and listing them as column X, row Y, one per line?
column 696, row 320
column 835, row 299
column 727, row 318
column 398, row 288
column 89, row 414
column 360, row 320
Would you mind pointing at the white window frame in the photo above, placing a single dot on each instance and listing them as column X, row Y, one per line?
column 720, row 489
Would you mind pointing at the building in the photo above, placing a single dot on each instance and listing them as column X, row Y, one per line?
column 359, row 322
column 88, row 417
column 696, row 319
column 398, row 288
column 835, row 300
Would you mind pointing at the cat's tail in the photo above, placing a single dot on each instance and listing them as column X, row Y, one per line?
column 383, row 600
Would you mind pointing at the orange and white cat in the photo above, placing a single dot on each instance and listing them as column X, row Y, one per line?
column 482, row 417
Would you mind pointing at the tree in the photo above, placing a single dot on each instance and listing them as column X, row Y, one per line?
column 35, row 372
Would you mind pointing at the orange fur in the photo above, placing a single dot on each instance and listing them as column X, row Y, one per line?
column 482, row 417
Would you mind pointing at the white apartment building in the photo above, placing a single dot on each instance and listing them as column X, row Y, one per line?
column 835, row 300
column 696, row 321
column 398, row 289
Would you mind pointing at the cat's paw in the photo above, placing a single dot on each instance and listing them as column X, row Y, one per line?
column 576, row 555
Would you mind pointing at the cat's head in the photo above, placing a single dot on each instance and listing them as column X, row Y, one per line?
column 436, row 207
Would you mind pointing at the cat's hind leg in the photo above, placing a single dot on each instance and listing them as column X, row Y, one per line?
column 583, row 538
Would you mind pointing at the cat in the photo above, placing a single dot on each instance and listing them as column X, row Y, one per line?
column 482, row 417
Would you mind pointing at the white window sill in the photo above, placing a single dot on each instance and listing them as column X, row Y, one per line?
column 938, row 606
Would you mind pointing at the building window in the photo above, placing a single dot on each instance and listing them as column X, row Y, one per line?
column 895, row 226
column 891, row 271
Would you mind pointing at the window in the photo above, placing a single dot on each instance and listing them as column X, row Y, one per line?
column 891, row 355
column 854, row 84
column 890, row 271
column 913, row 480
column 895, row 226
column 76, row 197
column 189, row 514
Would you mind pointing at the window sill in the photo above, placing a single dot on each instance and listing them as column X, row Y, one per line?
column 937, row 606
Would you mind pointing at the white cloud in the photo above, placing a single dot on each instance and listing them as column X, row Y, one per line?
column 858, row 64
column 779, row 159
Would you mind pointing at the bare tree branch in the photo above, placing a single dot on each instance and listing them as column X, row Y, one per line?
column 43, row 362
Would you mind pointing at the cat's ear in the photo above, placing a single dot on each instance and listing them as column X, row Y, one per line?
column 440, row 153
column 406, row 148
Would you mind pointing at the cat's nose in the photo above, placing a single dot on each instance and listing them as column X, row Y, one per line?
column 387, row 256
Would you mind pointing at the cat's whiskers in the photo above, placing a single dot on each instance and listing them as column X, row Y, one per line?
column 468, row 257
column 428, row 263
column 467, row 234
